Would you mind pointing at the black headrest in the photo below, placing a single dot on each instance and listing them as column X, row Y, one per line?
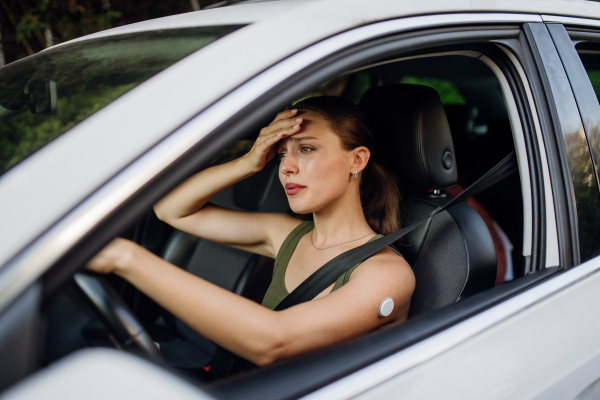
column 412, row 133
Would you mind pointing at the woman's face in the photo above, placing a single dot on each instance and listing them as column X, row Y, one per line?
column 314, row 169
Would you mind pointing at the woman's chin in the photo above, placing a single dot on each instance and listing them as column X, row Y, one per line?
column 299, row 207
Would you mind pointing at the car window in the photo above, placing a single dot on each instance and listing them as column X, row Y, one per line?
column 591, row 61
column 45, row 95
column 584, row 180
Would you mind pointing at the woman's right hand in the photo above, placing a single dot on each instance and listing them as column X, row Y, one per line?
column 114, row 257
column 264, row 149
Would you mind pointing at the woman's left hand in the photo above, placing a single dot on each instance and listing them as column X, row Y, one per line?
column 112, row 258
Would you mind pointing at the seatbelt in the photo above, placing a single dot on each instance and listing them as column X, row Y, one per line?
column 333, row 269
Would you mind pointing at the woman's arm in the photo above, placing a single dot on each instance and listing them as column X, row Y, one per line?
column 186, row 208
column 253, row 331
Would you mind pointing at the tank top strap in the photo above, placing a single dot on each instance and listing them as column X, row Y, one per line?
column 277, row 291
column 287, row 249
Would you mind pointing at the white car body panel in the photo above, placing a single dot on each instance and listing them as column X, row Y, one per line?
column 103, row 374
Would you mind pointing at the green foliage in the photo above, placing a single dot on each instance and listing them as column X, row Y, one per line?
column 449, row 93
column 67, row 20
column 595, row 79
column 361, row 82
column 23, row 133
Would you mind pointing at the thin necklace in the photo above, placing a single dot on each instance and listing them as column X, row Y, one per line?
column 328, row 247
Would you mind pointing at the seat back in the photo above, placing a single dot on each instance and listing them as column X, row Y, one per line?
column 452, row 255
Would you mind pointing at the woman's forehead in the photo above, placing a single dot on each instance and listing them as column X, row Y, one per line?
column 314, row 125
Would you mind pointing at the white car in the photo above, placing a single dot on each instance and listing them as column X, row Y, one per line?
column 96, row 130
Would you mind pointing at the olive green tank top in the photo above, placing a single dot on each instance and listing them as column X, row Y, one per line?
column 277, row 291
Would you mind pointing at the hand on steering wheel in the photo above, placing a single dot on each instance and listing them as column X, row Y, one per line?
column 127, row 331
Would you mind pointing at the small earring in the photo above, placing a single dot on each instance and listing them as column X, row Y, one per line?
column 355, row 174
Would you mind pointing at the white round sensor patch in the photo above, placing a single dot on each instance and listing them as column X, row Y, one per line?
column 386, row 307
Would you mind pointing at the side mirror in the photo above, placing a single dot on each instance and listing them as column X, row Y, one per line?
column 42, row 97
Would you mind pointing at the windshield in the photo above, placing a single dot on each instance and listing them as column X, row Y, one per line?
column 45, row 95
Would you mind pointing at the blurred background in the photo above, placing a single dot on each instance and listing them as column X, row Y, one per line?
column 28, row 26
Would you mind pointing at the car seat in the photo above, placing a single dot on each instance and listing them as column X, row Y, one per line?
column 452, row 255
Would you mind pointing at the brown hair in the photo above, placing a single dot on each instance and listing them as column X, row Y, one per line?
column 379, row 192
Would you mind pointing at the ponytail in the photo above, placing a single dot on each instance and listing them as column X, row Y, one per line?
column 380, row 199
column 379, row 194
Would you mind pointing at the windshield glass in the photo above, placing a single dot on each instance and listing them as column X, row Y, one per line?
column 45, row 95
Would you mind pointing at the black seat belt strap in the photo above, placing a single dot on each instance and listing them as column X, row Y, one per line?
column 333, row 269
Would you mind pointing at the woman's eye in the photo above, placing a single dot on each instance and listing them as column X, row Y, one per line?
column 305, row 149
column 281, row 155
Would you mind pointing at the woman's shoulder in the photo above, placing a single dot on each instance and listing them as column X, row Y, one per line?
column 385, row 264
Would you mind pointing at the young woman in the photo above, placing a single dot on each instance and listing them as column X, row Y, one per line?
column 326, row 168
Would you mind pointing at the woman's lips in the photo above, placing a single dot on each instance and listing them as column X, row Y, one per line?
column 293, row 188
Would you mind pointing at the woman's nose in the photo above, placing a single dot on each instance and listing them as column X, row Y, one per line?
column 288, row 165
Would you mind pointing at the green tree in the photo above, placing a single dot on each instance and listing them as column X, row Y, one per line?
column 28, row 26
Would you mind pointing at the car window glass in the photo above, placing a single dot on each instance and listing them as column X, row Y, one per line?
column 45, row 95
column 449, row 93
column 584, row 181
column 591, row 61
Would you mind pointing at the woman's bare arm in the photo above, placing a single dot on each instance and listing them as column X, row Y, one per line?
column 267, row 335
column 186, row 208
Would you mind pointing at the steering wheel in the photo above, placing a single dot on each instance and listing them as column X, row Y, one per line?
column 128, row 332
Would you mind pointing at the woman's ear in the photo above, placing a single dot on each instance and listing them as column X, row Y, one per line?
column 360, row 158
